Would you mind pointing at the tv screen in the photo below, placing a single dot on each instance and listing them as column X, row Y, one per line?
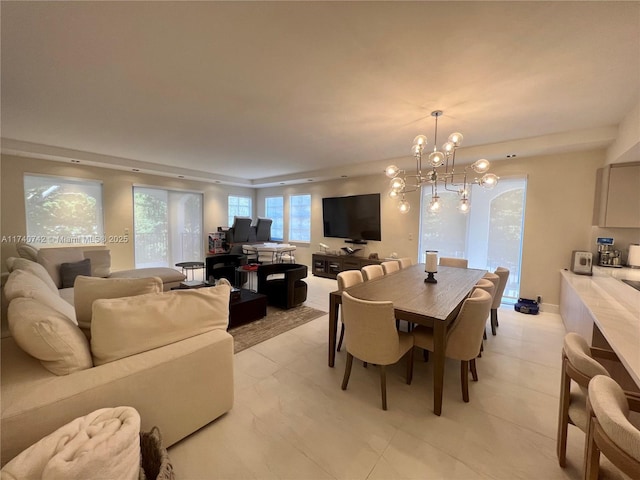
column 355, row 217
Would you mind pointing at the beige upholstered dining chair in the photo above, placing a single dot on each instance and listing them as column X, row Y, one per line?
column 346, row 279
column 578, row 366
column 609, row 429
column 503, row 275
column 369, row 272
column 453, row 262
column 488, row 286
column 371, row 336
column 405, row 262
column 495, row 279
column 464, row 337
column 390, row 266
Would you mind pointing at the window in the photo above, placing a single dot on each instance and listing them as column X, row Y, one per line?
column 300, row 218
column 167, row 226
column 238, row 207
column 63, row 210
column 489, row 236
column 274, row 209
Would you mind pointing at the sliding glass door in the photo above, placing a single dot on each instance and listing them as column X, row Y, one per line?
column 167, row 226
column 489, row 235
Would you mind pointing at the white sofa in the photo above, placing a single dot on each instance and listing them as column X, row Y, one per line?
column 176, row 370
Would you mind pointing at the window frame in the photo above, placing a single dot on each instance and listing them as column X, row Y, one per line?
column 293, row 217
column 275, row 218
column 230, row 215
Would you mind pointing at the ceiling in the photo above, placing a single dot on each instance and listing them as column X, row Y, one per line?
column 257, row 93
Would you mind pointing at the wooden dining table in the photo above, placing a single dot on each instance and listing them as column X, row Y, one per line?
column 435, row 305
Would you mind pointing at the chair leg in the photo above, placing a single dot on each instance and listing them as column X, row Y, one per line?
column 341, row 337
column 591, row 454
column 484, row 333
column 347, row 371
column 494, row 320
column 383, row 385
column 464, row 379
column 563, row 416
column 410, row 366
column 474, row 372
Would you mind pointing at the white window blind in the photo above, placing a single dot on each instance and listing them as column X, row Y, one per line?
column 274, row 209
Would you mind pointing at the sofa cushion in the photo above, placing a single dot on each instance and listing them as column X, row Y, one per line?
column 100, row 262
column 49, row 336
column 70, row 270
column 22, row 283
column 88, row 289
column 38, row 270
column 27, row 251
column 166, row 274
column 122, row 327
column 51, row 258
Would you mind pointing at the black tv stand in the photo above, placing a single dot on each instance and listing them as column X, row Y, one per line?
column 357, row 242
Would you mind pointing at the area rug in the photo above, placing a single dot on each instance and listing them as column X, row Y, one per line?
column 276, row 322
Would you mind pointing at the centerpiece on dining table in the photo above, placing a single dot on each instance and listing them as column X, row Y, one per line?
column 431, row 266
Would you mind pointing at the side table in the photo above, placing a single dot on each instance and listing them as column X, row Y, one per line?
column 190, row 267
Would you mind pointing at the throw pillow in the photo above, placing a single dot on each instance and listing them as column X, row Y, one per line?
column 69, row 271
column 50, row 337
column 22, row 283
column 100, row 262
column 51, row 258
column 32, row 267
column 89, row 289
column 27, row 251
column 126, row 326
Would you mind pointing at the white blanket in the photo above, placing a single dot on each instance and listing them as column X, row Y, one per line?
column 102, row 445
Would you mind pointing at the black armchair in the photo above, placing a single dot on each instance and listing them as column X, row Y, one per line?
column 224, row 266
column 287, row 289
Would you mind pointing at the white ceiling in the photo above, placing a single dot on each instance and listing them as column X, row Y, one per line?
column 260, row 92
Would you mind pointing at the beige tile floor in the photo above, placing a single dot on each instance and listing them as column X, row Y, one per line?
column 291, row 420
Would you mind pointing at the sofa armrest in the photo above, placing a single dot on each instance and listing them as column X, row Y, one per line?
column 179, row 388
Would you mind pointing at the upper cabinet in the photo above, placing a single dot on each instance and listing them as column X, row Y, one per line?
column 617, row 202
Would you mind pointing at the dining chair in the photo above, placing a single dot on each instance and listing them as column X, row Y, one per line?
column 390, row 266
column 369, row 272
column 453, row 262
column 578, row 366
column 489, row 287
column 609, row 429
column 495, row 279
column 405, row 262
column 503, row 274
column 346, row 279
column 371, row 336
column 464, row 337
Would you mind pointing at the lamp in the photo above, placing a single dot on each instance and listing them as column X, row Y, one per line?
column 403, row 182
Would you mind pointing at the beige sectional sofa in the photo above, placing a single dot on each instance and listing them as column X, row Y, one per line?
column 167, row 354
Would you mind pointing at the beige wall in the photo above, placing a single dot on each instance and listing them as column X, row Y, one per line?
column 559, row 207
column 117, row 198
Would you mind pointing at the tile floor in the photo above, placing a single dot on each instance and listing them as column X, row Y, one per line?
column 291, row 420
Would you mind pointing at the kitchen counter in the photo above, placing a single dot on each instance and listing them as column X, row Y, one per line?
column 612, row 306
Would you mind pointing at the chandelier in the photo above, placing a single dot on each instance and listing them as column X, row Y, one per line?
column 441, row 164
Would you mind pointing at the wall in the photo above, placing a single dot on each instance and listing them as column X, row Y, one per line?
column 117, row 199
column 626, row 147
column 559, row 206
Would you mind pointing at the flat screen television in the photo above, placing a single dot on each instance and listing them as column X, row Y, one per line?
column 356, row 217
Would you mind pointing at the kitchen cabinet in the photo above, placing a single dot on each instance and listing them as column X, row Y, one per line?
column 618, row 196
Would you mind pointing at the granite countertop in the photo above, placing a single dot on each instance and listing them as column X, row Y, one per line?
column 615, row 308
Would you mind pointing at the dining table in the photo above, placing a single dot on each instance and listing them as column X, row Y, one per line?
column 434, row 305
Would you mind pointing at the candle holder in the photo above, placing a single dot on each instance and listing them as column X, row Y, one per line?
column 430, row 278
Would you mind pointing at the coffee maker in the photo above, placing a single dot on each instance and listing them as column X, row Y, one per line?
column 607, row 255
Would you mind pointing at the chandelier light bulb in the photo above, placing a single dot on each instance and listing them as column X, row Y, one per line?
column 448, row 147
column 489, row 180
column 391, row 171
column 436, row 158
column 481, row 166
column 417, row 150
column 404, row 206
column 397, row 184
column 464, row 205
column 434, row 205
column 456, row 138
column 420, row 140
column 393, row 194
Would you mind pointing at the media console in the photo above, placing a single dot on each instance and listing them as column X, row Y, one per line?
column 329, row 266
